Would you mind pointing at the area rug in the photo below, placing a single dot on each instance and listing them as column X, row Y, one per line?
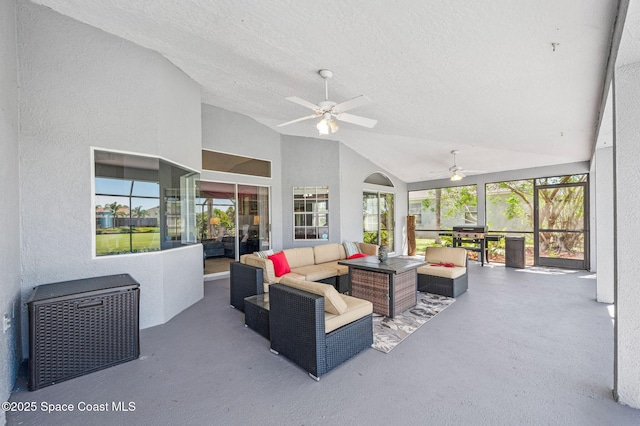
column 390, row 332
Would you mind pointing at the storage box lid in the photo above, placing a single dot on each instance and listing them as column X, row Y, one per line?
column 85, row 285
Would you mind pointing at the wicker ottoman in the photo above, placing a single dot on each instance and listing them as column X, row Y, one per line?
column 256, row 314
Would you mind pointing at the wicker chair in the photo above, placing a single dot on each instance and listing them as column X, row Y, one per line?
column 451, row 286
column 245, row 281
column 297, row 328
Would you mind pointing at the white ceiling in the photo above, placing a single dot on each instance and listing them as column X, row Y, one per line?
column 480, row 77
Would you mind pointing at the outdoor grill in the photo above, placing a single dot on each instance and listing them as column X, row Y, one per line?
column 471, row 234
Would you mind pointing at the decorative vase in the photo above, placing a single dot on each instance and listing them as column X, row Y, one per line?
column 382, row 253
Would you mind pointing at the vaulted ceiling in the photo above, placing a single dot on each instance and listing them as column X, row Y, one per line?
column 509, row 84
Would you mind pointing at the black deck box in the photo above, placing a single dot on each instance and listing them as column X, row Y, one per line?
column 77, row 327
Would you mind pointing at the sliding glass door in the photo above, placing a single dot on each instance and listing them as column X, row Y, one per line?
column 232, row 220
column 253, row 218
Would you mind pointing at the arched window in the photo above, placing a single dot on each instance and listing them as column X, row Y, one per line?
column 379, row 179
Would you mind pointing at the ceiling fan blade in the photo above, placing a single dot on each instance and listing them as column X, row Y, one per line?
column 299, row 119
column 351, row 104
column 356, row 119
column 306, row 104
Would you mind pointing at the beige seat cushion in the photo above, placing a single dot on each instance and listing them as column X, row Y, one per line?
column 455, row 255
column 333, row 302
column 315, row 272
column 356, row 309
column 442, row 271
column 342, row 269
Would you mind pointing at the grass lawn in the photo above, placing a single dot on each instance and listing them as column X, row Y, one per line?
column 120, row 243
column 423, row 243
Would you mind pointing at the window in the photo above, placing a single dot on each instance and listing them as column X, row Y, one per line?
column 142, row 204
column 509, row 211
column 379, row 179
column 444, row 208
column 441, row 209
column 229, row 163
column 311, row 213
column 510, row 206
column 378, row 219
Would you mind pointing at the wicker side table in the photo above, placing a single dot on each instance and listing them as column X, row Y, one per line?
column 256, row 314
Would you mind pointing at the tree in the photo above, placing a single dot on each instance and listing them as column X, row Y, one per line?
column 116, row 209
column 139, row 212
column 455, row 203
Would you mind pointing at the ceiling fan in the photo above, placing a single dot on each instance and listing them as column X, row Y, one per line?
column 329, row 110
column 456, row 172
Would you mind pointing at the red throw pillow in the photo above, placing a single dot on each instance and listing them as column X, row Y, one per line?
column 357, row 255
column 280, row 264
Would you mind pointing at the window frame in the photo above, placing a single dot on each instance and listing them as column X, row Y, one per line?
column 187, row 186
column 312, row 196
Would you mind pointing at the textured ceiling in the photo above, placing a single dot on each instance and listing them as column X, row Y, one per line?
column 480, row 77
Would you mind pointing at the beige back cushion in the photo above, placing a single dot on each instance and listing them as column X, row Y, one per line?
column 333, row 302
column 297, row 257
column 269, row 273
column 368, row 248
column 343, row 253
column 456, row 255
column 327, row 253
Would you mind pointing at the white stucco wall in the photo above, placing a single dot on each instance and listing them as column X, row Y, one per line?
column 627, row 268
column 604, row 224
column 83, row 88
column 9, row 207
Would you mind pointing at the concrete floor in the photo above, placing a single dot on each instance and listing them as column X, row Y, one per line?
column 520, row 347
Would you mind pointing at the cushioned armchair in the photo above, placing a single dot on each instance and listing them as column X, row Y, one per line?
column 445, row 273
column 302, row 330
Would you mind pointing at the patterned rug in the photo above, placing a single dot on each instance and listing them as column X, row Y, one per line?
column 389, row 332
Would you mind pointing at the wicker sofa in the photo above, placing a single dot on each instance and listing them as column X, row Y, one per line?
column 437, row 278
column 316, row 327
column 253, row 274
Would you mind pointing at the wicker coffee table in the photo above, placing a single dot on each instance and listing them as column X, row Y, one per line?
column 391, row 286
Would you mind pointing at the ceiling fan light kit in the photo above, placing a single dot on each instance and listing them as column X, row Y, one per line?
column 330, row 110
column 456, row 176
column 327, row 125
